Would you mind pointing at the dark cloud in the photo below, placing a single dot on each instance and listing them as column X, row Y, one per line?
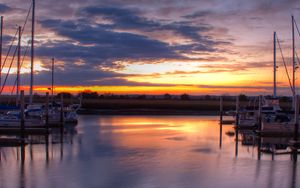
column 198, row 14
column 97, row 42
column 132, row 19
column 4, row 8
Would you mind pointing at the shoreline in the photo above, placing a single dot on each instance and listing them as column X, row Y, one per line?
column 156, row 112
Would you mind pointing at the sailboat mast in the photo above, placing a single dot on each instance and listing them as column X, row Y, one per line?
column 52, row 81
column 18, row 66
column 293, row 59
column 1, row 42
column 32, row 52
column 275, row 66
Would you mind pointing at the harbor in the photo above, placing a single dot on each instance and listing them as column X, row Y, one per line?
column 135, row 151
column 142, row 94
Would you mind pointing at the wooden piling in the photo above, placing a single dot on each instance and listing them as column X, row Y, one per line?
column 259, row 112
column 61, row 109
column 61, row 117
column 47, row 111
column 22, row 109
column 221, row 120
column 237, row 125
column 296, row 134
column 22, row 125
column 296, row 129
column 237, row 106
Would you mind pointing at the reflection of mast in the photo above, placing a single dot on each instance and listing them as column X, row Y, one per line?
column 32, row 52
column 274, row 64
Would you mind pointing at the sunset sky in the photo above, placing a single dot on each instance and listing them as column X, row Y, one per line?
column 156, row 47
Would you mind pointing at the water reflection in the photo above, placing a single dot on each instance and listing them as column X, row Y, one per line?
column 147, row 151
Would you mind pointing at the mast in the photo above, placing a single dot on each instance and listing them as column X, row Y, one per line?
column 32, row 52
column 275, row 67
column 294, row 62
column 18, row 66
column 1, row 41
column 52, row 82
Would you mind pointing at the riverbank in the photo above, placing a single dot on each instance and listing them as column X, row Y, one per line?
column 158, row 107
column 156, row 112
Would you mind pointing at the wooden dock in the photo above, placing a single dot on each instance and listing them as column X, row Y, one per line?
column 27, row 131
column 227, row 122
column 11, row 142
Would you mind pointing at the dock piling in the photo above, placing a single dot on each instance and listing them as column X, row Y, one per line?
column 296, row 129
column 259, row 112
column 221, row 120
column 61, row 109
column 22, row 123
column 237, row 125
column 47, row 112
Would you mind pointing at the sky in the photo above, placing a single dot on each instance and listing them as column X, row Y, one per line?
column 154, row 47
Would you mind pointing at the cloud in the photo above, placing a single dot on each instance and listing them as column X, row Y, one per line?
column 198, row 14
column 4, row 8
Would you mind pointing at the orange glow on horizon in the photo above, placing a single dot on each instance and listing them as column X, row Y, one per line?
column 154, row 90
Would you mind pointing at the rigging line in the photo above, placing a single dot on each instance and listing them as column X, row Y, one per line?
column 8, row 70
column 287, row 73
column 297, row 58
column 297, row 27
column 9, row 49
column 14, row 38
column 28, row 13
column 26, row 50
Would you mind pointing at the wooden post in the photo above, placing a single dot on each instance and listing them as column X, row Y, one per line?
column 259, row 113
column 296, row 134
column 296, row 128
column 22, row 109
column 47, row 112
column 221, row 120
column 237, row 106
column 61, row 117
column 61, row 109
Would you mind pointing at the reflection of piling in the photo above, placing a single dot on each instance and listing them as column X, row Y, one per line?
column 47, row 147
column 295, row 150
column 294, row 176
column 221, row 120
column 236, row 142
column 259, row 148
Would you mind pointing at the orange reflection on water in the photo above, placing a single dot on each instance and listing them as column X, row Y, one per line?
column 158, row 131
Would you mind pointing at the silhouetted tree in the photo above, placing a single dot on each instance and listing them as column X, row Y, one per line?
column 243, row 97
column 167, row 96
column 207, row 97
column 87, row 94
column 185, row 97
column 141, row 97
column 66, row 95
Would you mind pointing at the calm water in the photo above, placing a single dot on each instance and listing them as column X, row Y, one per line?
column 146, row 152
